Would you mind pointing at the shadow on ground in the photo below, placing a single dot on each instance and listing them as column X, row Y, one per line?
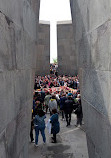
column 58, row 151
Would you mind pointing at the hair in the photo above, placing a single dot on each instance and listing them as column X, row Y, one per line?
column 36, row 94
column 48, row 93
column 69, row 97
column 78, row 90
column 40, row 112
column 53, row 97
column 54, row 111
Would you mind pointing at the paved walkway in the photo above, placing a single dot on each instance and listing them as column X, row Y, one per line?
column 71, row 143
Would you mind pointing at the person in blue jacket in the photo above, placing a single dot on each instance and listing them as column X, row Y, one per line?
column 55, row 124
column 39, row 123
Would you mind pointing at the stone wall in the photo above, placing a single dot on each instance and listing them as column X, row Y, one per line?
column 43, row 50
column 67, row 58
column 18, row 38
column 92, row 33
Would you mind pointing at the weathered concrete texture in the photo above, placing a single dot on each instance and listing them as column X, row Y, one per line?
column 92, row 33
column 71, row 143
column 18, row 38
column 67, row 58
column 43, row 50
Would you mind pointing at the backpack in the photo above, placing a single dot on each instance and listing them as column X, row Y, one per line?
column 78, row 110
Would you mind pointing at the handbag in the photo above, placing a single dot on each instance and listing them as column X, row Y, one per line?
column 49, row 126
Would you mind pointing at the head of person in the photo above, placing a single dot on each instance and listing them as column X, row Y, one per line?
column 37, row 102
column 70, row 94
column 78, row 96
column 36, row 93
column 54, row 111
column 53, row 96
column 63, row 94
column 69, row 97
column 40, row 113
column 48, row 93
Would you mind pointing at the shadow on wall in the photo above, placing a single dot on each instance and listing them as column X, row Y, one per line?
column 91, row 47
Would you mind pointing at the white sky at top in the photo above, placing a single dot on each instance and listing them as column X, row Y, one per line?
column 53, row 11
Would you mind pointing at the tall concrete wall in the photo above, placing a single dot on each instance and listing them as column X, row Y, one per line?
column 67, row 58
column 18, row 37
column 43, row 50
column 92, row 33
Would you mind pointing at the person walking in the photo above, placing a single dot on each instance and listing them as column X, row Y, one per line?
column 54, row 120
column 68, row 108
column 46, row 100
column 62, row 102
column 79, row 113
column 39, row 124
column 52, row 104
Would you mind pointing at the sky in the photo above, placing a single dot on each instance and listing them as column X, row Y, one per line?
column 53, row 11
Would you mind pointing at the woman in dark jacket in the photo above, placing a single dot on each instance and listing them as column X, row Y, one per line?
column 55, row 124
column 79, row 113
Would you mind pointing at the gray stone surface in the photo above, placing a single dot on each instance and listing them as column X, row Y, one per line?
column 91, row 24
column 67, row 58
column 71, row 143
column 18, row 38
column 43, row 50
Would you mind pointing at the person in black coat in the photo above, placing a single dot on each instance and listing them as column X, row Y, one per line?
column 79, row 113
column 62, row 102
column 68, row 108
column 74, row 85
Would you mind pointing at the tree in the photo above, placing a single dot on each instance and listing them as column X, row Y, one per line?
column 55, row 61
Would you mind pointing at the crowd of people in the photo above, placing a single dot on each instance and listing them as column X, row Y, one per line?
column 58, row 96
column 50, row 81
column 54, row 69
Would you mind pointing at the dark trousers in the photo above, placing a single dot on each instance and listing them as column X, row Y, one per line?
column 68, row 118
column 46, row 108
column 62, row 114
column 50, row 112
column 79, row 119
column 54, row 137
column 31, row 134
